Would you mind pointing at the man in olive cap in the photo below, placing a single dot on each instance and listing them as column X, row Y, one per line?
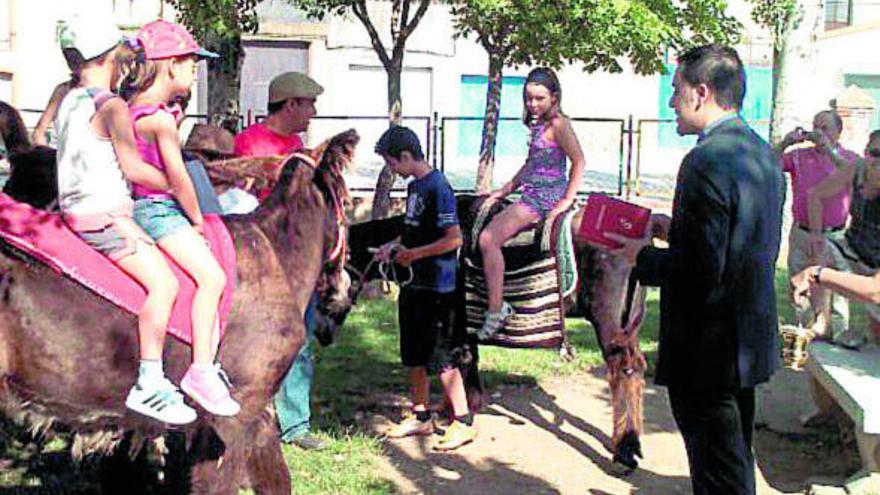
column 292, row 98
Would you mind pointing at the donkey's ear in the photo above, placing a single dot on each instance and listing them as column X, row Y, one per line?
column 318, row 152
column 636, row 312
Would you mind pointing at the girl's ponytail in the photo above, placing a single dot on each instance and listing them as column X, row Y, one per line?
column 135, row 72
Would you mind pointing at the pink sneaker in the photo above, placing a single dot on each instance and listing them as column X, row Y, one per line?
column 208, row 389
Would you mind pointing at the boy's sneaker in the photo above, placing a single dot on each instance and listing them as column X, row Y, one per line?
column 208, row 387
column 410, row 425
column 495, row 321
column 160, row 399
column 457, row 435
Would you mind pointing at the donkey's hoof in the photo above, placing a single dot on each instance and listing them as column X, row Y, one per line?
column 623, row 465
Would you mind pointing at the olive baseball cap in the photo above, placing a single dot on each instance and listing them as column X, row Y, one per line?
column 293, row 85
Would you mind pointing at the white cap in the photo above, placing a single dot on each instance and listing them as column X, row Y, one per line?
column 91, row 35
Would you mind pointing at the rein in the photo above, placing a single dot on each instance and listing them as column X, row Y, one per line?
column 385, row 268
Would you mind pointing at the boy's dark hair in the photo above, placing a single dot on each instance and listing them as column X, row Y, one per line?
column 398, row 139
column 718, row 67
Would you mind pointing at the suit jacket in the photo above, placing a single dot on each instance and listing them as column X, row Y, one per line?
column 718, row 320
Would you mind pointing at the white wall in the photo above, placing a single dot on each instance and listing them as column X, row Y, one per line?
column 32, row 56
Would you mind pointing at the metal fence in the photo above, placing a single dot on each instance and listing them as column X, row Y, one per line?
column 635, row 159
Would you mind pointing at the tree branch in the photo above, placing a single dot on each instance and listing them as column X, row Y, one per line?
column 360, row 11
column 411, row 26
column 404, row 15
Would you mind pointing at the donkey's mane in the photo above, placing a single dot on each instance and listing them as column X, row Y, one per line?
column 334, row 156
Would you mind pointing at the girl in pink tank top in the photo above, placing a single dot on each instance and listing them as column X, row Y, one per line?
column 173, row 218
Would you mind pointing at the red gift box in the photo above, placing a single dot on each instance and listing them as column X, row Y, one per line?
column 606, row 214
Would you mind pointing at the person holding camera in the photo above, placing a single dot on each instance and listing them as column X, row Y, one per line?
column 852, row 261
column 827, row 314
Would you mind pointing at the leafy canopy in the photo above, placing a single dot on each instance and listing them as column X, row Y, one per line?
column 597, row 33
column 217, row 18
column 776, row 15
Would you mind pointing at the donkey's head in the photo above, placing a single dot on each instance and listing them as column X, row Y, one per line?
column 626, row 379
column 335, row 155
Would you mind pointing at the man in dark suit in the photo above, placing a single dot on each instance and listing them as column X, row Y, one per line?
column 718, row 321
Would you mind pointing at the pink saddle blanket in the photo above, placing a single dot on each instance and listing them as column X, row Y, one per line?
column 45, row 237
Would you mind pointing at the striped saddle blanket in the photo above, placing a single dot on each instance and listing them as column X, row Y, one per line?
column 531, row 282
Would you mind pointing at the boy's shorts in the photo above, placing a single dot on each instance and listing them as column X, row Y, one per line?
column 427, row 329
column 117, row 239
column 160, row 217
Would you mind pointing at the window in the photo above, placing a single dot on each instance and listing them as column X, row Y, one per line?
column 513, row 137
column 870, row 83
column 756, row 107
column 838, row 14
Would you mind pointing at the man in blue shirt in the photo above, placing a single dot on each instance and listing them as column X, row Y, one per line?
column 426, row 309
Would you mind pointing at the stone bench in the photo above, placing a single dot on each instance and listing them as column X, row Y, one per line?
column 852, row 380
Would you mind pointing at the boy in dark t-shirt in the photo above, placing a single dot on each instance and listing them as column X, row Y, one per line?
column 426, row 307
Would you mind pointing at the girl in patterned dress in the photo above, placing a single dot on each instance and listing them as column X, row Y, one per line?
column 546, row 191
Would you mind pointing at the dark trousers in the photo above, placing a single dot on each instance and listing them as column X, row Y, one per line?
column 717, row 427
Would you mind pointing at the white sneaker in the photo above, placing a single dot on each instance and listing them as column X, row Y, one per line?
column 495, row 321
column 160, row 399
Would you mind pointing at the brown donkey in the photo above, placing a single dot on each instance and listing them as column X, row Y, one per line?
column 604, row 297
column 68, row 356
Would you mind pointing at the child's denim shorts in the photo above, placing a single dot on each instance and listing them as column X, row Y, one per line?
column 160, row 217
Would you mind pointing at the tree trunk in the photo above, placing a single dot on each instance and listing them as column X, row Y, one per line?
column 224, row 82
column 795, row 63
column 382, row 197
column 490, row 125
column 777, row 103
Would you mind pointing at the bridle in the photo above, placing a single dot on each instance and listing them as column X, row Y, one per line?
column 340, row 247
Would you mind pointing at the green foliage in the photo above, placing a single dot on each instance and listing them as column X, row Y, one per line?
column 598, row 33
column 217, row 18
column 219, row 24
column 778, row 16
column 318, row 9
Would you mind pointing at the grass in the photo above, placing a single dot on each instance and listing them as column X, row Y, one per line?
column 357, row 376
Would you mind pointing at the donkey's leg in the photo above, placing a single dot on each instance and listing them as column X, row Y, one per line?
column 219, row 465
column 626, row 402
column 607, row 284
column 266, row 469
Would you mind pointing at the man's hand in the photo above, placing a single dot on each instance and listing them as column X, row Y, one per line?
column 631, row 247
column 796, row 136
column 405, row 257
column 820, row 140
column 816, row 247
column 659, row 226
column 801, row 283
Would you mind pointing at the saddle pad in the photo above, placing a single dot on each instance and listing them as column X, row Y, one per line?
column 44, row 237
column 531, row 283
column 533, row 291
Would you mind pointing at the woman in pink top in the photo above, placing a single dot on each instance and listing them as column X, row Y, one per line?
column 173, row 218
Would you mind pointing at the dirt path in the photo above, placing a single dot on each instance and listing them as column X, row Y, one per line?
column 554, row 438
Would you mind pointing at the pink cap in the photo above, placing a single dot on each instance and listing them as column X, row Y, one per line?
column 163, row 39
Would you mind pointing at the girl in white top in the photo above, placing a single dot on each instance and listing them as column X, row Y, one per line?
column 96, row 159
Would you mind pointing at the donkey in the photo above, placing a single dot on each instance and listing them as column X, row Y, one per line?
column 68, row 356
column 604, row 297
